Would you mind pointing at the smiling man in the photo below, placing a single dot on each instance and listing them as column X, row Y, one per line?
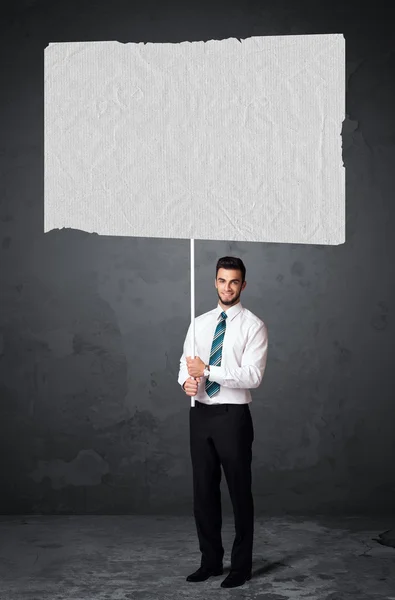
column 231, row 352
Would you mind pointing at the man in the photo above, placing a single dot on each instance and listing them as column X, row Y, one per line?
column 231, row 352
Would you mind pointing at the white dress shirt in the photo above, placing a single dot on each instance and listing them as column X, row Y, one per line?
column 244, row 354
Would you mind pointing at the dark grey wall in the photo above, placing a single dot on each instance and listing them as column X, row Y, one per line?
column 91, row 328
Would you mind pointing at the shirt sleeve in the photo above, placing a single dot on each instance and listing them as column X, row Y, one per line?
column 253, row 363
column 183, row 372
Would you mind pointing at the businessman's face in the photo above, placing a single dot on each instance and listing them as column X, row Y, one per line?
column 229, row 287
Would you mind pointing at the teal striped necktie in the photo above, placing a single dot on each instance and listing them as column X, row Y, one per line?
column 212, row 387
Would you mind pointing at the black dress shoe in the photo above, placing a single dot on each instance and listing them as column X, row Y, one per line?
column 204, row 573
column 236, row 578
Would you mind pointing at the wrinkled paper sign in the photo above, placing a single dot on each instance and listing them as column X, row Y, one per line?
column 216, row 140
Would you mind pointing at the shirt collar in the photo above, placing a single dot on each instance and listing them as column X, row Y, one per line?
column 230, row 313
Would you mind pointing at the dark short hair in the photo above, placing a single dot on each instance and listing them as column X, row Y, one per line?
column 231, row 262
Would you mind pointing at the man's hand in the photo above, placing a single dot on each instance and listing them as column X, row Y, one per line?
column 195, row 366
column 191, row 386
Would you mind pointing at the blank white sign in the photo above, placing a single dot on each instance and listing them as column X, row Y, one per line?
column 217, row 140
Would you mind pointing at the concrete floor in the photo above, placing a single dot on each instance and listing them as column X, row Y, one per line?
column 134, row 557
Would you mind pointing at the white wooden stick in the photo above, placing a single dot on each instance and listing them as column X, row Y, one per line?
column 193, row 305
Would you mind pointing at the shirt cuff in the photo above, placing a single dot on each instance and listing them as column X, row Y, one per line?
column 217, row 374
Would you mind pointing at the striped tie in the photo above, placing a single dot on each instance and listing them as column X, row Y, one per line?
column 212, row 387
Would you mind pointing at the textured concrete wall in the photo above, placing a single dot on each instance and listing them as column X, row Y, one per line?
column 91, row 328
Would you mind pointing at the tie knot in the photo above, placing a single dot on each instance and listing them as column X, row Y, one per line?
column 224, row 315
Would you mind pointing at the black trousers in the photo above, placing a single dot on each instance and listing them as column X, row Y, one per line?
column 222, row 435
